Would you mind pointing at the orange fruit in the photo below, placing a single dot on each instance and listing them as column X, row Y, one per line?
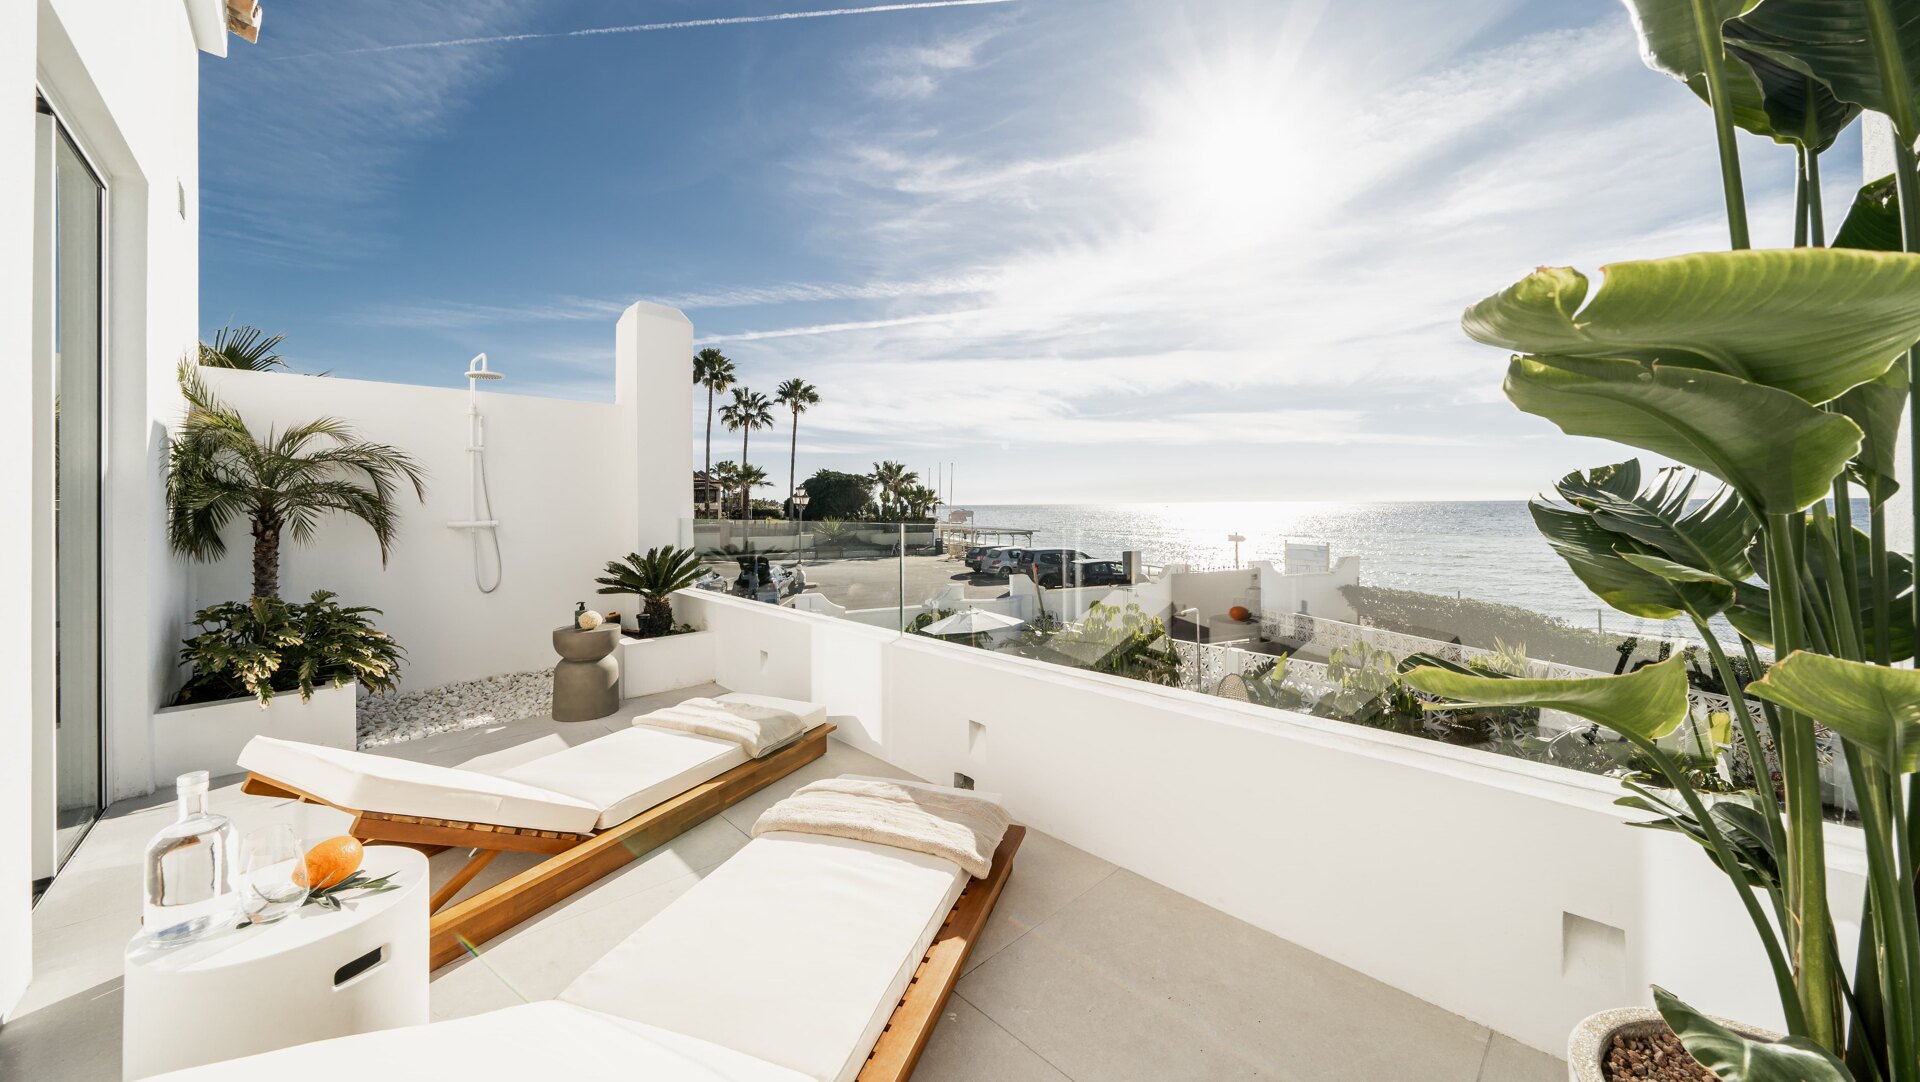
column 1238, row 612
column 332, row 861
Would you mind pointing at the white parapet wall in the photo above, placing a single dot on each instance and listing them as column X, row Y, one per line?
column 573, row 485
column 1508, row 892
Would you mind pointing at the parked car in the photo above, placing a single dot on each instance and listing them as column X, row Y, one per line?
column 1038, row 562
column 975, row 554
column 763, row 579
column 1001, row 560
column 711, row 580
column 1085, row 573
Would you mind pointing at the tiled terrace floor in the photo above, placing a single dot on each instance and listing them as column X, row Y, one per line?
column 1087, row 972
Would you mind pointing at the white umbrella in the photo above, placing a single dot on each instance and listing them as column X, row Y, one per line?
column 972, row 622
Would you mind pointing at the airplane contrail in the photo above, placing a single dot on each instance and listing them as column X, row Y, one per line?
column 644, row 28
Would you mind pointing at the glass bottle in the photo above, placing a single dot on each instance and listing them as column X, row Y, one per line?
column 189, row 889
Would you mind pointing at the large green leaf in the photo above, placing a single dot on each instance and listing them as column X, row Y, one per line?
column 1735, row 1058
column 1873, row 222
column 1751, row 612
column 1590, row 552
column 1712, row 535
column 1799, row 108
column 1778, row 451
column 1649, row 703
column 1876, row 406
column 1873, row 707
column 1833, row 40
column 1742, row 825
column 1671, row 42
column 1811, row 321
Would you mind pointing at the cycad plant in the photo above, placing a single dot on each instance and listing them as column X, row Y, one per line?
column 281, row 483
column 1781, row 375
column 654, row 577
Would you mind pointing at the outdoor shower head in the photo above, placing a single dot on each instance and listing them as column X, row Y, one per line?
column 477, row 369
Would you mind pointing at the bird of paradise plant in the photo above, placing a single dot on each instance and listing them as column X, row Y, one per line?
column 1782, row 375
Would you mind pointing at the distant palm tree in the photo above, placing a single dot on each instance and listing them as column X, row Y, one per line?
column 749, row 412
column 749, row 478
column 891, row 479
column 796, row 395
column 726, row 478
column 218, row 469
column 712, row 370
column 249, row 348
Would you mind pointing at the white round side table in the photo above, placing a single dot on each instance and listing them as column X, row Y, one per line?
column 314, row 975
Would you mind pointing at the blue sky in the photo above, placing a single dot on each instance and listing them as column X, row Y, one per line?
column 1088, row 250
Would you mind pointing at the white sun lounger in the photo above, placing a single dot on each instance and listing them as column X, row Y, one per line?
column 801, row 959
column 593, row 807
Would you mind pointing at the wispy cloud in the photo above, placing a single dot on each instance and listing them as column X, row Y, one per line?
column 646, row 28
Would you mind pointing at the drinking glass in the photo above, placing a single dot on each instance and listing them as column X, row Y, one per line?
column 273, row 869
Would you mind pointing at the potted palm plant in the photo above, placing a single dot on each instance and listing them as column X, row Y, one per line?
column 220, row 471
column 661, row 656
column 1781, row 375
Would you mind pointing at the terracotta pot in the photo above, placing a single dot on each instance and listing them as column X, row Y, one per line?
column 1587, row 1047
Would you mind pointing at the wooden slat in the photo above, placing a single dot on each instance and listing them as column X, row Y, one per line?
column 905, row 1036
column 505, row 904
column 418, row 832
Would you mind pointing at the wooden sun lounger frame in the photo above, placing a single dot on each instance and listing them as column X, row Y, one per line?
column 911, row 1024
column 575, row 861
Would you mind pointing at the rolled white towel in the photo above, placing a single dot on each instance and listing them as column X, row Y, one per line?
column 754, row 726
column 951, row 823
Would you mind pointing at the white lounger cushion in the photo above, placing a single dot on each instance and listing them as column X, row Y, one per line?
column 355, row 779
column 528, row 1043
column 604, row 771
column 795, row 951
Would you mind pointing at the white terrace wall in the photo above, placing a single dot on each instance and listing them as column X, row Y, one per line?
column 1317, row 594
column 574, row 484
column 1507, row 892
column 123, row 77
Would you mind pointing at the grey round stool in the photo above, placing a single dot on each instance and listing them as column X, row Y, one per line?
column 586, row 683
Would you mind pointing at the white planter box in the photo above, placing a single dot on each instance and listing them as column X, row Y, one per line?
column 666, row 663
column 209, row 736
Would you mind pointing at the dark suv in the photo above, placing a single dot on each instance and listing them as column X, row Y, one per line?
column 976, row 554
column 1039, row 562
column 1084, row 573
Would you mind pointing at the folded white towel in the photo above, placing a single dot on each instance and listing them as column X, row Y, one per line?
column 753, row 726
column 931, row 819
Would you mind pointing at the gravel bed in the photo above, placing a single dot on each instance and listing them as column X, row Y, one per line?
column 1655, row 1057
column 394, row 719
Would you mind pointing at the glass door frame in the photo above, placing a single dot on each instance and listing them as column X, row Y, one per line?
column 50, row 854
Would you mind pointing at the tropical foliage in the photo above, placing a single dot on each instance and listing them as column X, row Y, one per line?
column 247, row 348
column 654, row 577
column 1120, row 641
column 259, row 647
column 1778, row 377
column 749, row 412
column 798, row 396
column 218, row 470
column 832, row 494
column 712, row 370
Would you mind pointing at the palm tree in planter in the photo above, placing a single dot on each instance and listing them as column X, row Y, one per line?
column 654, row 577
column 247, row 348
column 712, row 370
column 218, row 470
column 797, row 395
column 749, row 412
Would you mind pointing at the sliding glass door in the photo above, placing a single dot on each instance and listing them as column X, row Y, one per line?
column 78, row 234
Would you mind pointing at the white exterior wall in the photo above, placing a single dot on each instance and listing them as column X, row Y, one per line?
column 1508, row 892
column 123, row 75
column 570, row 484
column 1315, row 594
